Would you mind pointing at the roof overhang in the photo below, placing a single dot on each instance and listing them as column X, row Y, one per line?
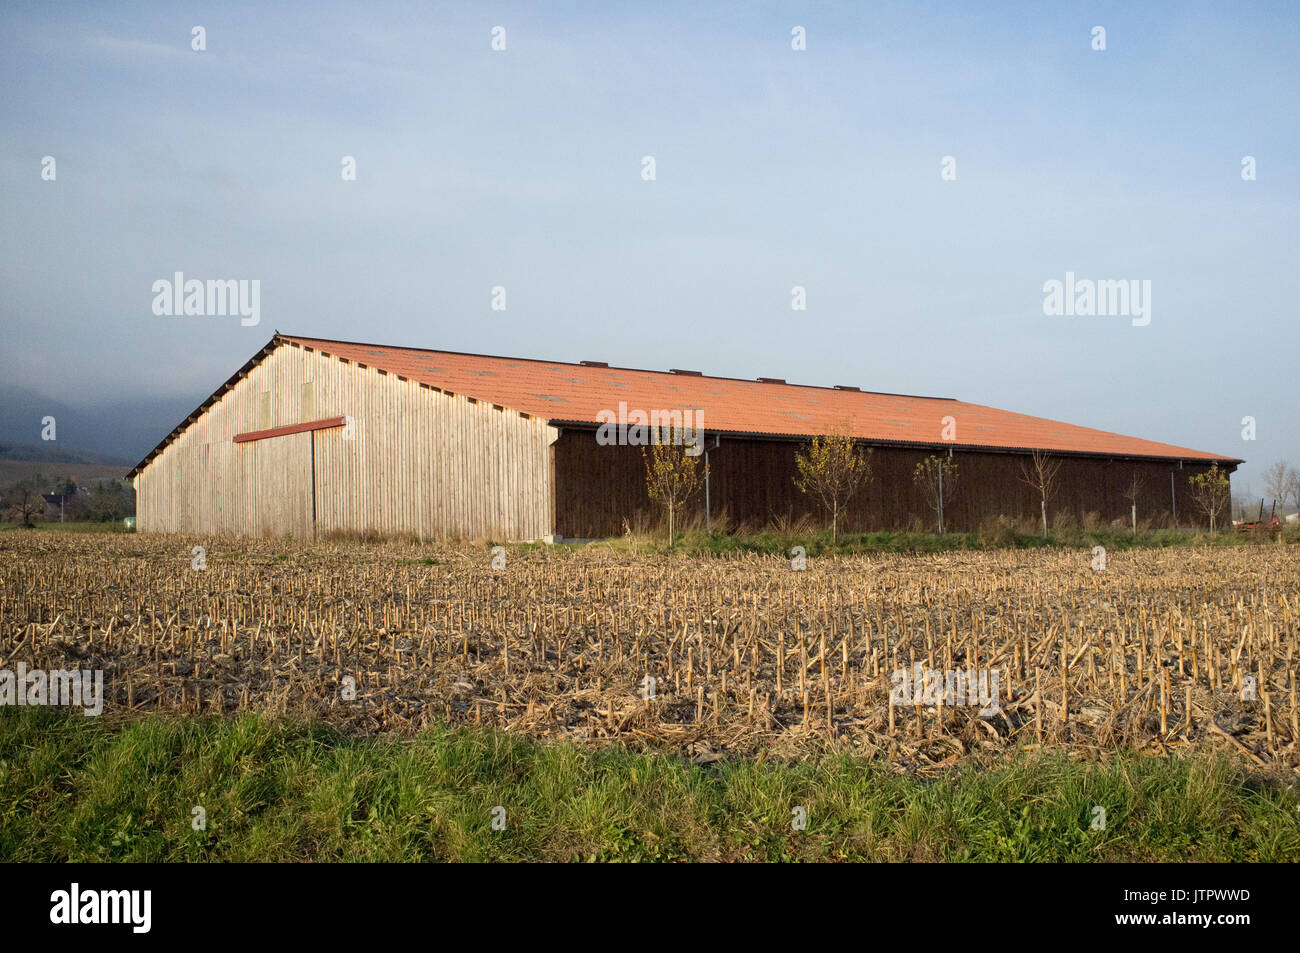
column 1227, row 462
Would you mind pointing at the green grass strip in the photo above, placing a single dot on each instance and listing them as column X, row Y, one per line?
column 85, row 789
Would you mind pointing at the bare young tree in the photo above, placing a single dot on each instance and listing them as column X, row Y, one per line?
column 834, row 467
column 1210, row 493
column 1277, row 482
column 24, row 501
column 672, row 477
column 937, row 478
column 1132, row 490
column 1039, row 472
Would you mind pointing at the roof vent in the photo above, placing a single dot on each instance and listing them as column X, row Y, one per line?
column 847, row 387
column 678, row 370
column 594, row 363
column 771, row 380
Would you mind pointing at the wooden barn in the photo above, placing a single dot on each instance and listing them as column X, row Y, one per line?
column 312, row 436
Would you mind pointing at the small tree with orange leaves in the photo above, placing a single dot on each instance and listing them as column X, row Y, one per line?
column 672, row 477
column 1210, row 492
column 832, row 470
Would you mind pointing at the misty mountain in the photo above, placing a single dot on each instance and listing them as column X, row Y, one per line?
column 52, row 451
column 111, row 432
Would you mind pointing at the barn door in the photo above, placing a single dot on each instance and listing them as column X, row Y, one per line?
column 285, row 465
column 282, row 485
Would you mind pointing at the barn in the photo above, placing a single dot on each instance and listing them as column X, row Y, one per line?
column 312, row 436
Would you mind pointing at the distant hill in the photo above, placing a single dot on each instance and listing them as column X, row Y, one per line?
column 86, row 474
column 52, row 460
column 101, row 432
column 53, row 452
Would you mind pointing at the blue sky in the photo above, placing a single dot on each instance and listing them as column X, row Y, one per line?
column 775, row 168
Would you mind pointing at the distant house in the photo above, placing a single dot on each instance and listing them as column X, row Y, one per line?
column 314, row 435
column 61, row 506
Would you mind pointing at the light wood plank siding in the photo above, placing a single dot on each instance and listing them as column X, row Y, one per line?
column 414, row 460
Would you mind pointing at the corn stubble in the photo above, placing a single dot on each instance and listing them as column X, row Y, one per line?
column 745, row 654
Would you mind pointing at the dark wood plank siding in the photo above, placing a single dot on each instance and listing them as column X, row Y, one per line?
column 752, row 482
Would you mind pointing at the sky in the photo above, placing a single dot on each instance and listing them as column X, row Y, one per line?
column 523, row 168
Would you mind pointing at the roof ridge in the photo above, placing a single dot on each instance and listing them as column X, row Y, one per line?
column 612, row 367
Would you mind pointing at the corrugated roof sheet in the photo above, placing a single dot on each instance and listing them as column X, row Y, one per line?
column 575, row 393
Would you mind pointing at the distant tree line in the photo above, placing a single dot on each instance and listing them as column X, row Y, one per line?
column 38, row 498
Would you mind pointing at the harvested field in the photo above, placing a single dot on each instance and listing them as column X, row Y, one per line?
column 1155, row 652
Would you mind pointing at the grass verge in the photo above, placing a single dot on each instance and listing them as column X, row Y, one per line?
column 82, row 789
column 818, row 543
column 70, row 526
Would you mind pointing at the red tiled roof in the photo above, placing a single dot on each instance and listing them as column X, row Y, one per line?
column 575, row 393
